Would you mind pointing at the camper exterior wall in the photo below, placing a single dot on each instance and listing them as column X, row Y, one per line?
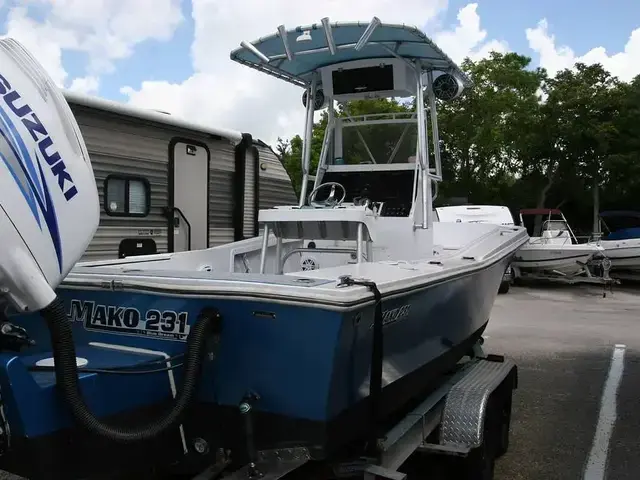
column 250, row 194
column 275, row 187
column 125, row 145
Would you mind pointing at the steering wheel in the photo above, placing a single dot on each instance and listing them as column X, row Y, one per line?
column 331, row 200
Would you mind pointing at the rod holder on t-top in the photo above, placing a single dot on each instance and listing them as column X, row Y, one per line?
column 377, row 61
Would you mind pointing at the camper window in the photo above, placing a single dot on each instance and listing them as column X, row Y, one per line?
column 126, row 196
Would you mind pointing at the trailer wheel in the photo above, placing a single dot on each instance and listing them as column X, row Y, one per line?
column 505, row 421
column 480, row 463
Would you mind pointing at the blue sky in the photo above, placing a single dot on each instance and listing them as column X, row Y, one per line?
column 161, row 43
column 579, row 24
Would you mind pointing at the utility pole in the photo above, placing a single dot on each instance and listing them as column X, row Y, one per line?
column 596, row 206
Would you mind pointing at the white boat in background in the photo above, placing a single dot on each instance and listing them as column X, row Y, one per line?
column 622, row 244
column 553, row 249
column 494, row 214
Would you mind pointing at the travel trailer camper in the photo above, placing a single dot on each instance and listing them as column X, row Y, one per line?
column 169, row 185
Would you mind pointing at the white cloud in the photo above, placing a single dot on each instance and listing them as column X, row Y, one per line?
column 43, row 40
column 220, row 92
column 223, row 93
column 468, row 39
column 625, row 65
column 105, row 30
column 86, row 85
column 108, row 30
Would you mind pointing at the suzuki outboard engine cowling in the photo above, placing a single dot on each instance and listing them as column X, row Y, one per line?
column 49, row 206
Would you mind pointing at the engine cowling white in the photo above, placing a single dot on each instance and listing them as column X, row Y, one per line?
column 49, row 205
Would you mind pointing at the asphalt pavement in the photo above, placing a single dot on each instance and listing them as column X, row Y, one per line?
column 574, row 415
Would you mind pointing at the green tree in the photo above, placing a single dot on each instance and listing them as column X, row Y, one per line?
column 577, row 132
column 289, row 152
column 283, row 148
column 486, row 132
column 622, row 182
column 292, row 160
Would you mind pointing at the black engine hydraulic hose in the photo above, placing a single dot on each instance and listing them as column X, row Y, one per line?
column 66, row 370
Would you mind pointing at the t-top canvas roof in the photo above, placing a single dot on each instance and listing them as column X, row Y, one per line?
column 293, row 55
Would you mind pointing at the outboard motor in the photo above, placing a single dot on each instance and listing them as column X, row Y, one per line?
column 49, row 207
column 49, row 212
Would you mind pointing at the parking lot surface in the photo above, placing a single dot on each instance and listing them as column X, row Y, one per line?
column 576, row 412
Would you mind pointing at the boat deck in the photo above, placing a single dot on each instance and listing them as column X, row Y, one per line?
column 206, row 272
column 319, row 286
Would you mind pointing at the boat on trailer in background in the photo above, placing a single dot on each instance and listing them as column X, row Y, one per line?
column 553, row 252
column 622, row 242
column 366, row 358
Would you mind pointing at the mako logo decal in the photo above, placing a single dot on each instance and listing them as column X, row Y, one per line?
column 26, row 166
column 165, row 324
column 394, row 315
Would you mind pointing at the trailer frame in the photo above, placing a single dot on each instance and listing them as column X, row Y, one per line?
column 467, row 417
column 625, row 276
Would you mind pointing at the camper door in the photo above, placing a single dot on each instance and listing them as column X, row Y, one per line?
column 189, row 178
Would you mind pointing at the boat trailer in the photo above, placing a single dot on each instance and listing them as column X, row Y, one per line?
column 622, row 276
column 596, row 271
column 464, row 424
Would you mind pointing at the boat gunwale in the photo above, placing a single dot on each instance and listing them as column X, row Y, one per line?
column 329, row 302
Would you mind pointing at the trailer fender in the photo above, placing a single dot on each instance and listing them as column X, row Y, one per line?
column 464, row 411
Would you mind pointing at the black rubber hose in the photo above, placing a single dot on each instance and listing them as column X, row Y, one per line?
column 66, row 369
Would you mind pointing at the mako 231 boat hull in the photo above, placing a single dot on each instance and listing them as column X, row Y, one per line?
column 277, row 351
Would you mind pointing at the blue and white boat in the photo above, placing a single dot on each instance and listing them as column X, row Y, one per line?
column 621, row 243
column 348, row 307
